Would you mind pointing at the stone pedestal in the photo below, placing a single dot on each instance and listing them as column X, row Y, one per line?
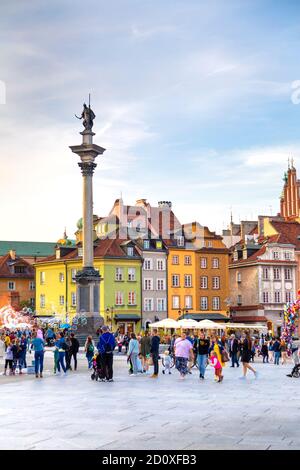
column 88, row 279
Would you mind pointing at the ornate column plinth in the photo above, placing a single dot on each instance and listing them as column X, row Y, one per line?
column 88, row 279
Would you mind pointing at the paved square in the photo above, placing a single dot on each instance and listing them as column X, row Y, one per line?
column 73, row 412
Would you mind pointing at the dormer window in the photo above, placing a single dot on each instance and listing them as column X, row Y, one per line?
column 57, row 253
column 180, row 241
column 146, row 244
column 158, row 244
column 20, row 269
column 130, row 251
column 80, row 252
column 235, row 256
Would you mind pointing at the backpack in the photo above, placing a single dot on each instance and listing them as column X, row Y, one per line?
column 90, row 348
column 64, row 346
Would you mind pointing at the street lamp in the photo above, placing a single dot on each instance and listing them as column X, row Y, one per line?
column 183, row 311
column 111, row 311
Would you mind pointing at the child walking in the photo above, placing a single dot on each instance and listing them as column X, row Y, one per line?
column 9, row 356
column 167, row 363
column 215, row 363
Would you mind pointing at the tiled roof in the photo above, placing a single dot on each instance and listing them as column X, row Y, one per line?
column 27, row 248
column 7, row 264
column 288, row 232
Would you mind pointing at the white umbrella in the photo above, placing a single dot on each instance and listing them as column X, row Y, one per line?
column 23, row 325
column 188, row 323
column 209, row 325
column 165, row 323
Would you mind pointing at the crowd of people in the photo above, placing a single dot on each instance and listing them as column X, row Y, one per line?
column 183, row 351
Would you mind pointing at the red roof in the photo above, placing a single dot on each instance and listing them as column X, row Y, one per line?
column 7, row 265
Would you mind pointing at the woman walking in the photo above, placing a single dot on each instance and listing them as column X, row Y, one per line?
column 89, row 349
column 183, row 350
column 133, row 352
column 145, row 351
column 283, row 350
column 246, row 356
column 62, row 348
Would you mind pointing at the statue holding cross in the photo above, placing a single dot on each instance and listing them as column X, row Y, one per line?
column 88, row 117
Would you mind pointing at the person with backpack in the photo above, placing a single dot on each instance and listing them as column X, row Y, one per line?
column 106, row 346
column 62, row 349
column 89, row 349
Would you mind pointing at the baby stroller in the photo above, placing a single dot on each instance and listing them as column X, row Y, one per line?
column 97, row 373
column 295, row 372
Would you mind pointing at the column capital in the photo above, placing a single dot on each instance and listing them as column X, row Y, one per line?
column 87, row 168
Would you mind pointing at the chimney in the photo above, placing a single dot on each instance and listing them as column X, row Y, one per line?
column 12, row 254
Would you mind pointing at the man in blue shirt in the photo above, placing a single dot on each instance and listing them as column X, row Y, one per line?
column 106, row 346
column 38, row 346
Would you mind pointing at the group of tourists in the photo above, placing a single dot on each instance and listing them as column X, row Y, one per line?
column 183, row 352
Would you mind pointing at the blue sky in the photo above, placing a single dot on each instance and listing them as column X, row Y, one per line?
column 193, row 104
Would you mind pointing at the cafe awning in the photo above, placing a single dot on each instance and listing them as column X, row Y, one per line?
column 127, row 317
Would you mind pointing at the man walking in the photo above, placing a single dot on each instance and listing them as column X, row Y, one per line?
column 154, row 351
column 202, row 347
column 106, row 346
column 233, row 350
column 74, row 350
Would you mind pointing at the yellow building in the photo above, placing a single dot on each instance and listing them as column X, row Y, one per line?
column 197, row 275
column 119, row 265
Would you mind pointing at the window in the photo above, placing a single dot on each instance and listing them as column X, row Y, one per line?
column 180, row 241
column 73, row 299
column 175, row 301
column 42, row 300
column 73, row 275
column 216, row 282
column 188, row 301
column 265, row 274
column 20, row 269
column 158, row 244
column 148, row 265
column 216, row 303
column 203, row 263
column 235, row 256
column 148, row 284
column 275, row 255
column 209, row 244
column 132, row 298
column 119, row 274
column 277, row 297
column 276, row 274
column 287, row 274
column 11, row 285
column 32, row 301
column 131, row 274
column 203, row 303
column 265, row 297
column 146, row 244
column 61, row 300
column 215, row 263
column 287, row 255
column 119, row 298
column 175, row 259
column 288, row 296
column 239, row 299
column 42, row 277
column 175, row 280
column 160, row 265
column 148, row 305
column 161, row 284
column 238, row 277
column 187, row 260
column 61, row 277
column 187, row 280
column 80, row 252
column 130, row 251
column 204, row 282
column 31, row 285
column 161, row 305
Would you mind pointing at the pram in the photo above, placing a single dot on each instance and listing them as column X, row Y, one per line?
column 98, row 373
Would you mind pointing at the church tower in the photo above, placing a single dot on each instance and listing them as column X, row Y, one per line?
column 290, row 197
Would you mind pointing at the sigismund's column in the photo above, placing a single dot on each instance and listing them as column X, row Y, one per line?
column 88, row 279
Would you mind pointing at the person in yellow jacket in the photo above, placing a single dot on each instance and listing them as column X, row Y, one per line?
column 217, row 347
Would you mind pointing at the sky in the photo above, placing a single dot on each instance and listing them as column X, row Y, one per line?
column 196, row 102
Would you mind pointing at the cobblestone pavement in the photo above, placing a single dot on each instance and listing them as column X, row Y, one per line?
column 73, row 412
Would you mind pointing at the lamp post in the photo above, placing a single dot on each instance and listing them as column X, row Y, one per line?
column 183, row 311
column 111, row 311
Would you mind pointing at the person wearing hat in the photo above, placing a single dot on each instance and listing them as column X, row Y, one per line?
column 106, row 346
column 233, row 350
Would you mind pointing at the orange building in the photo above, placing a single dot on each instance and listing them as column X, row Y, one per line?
column 198, row 284
column 290, row 197
column 16, row 281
